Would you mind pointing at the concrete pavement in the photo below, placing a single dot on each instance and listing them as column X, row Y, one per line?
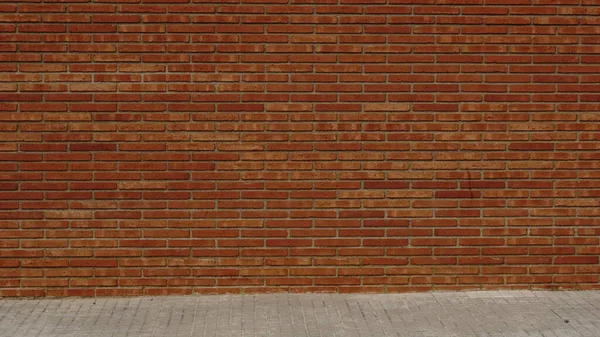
column 477, row 313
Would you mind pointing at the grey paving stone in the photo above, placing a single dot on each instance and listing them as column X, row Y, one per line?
column 481, row 313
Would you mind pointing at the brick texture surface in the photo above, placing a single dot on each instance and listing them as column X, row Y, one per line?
column 175, row 147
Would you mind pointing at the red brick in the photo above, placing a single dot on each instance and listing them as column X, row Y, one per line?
column 345, row 142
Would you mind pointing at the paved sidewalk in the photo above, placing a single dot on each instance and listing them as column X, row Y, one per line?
column 489, row 313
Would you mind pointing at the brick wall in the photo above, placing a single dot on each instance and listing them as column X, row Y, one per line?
column 177, row 147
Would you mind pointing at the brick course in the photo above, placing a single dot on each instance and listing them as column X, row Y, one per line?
column 227, row 146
